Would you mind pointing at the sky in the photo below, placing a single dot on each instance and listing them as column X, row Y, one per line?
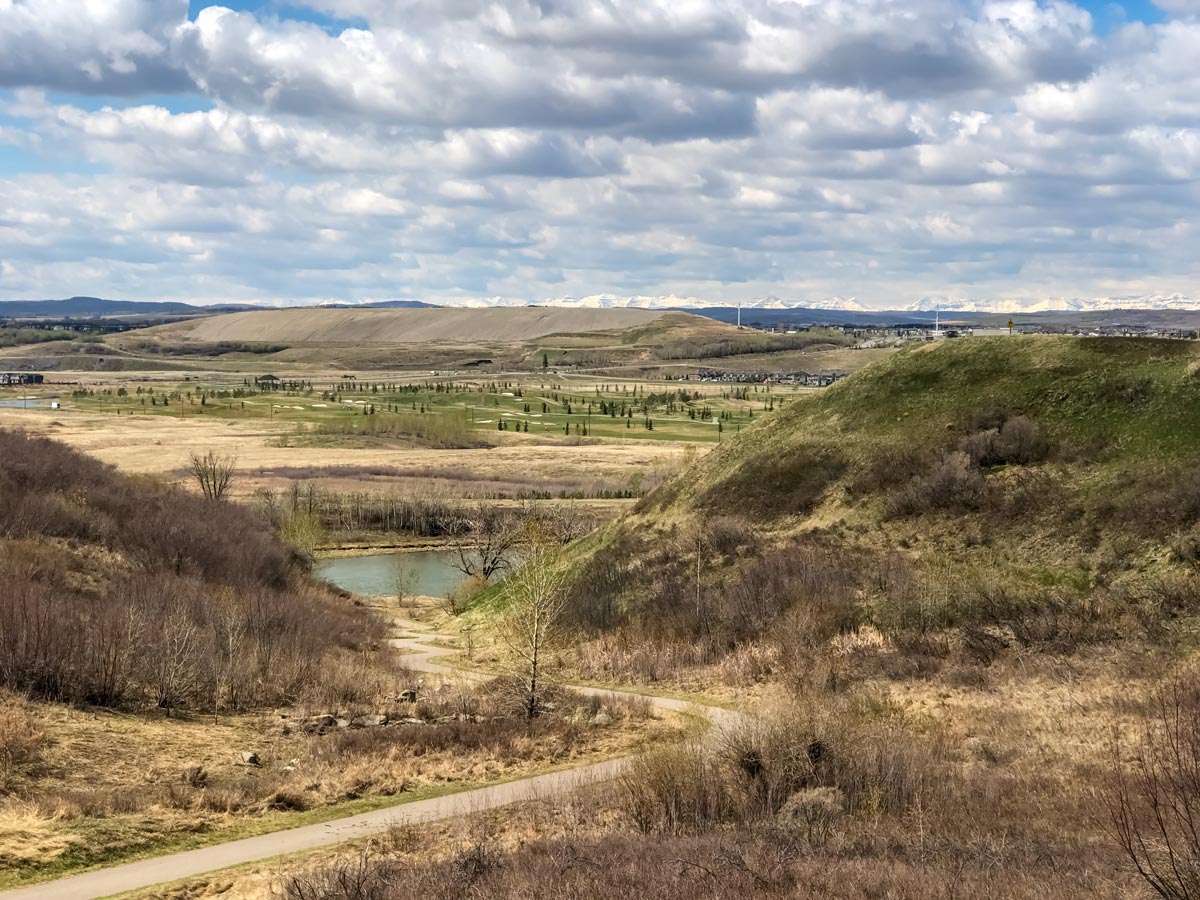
column 532, row 150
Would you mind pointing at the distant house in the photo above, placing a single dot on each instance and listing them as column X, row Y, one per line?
column 268, row 381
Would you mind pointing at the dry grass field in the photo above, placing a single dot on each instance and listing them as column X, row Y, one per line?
column 160, row 445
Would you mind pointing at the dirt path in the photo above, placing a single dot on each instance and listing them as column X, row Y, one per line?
column 418, row 657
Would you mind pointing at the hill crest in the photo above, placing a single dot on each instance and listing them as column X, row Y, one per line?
column 406, row 326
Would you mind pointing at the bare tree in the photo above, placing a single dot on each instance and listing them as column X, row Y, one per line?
column 1154, row 801
column 565, row 522
column 214, row 474
column 488, row 549
column 535, row 625
column 173, row 664
column 404, row 579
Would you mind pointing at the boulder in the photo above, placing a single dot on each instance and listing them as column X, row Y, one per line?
column 409, row 720
column 601, row 720
column 195, row 776
column 409, row 696
column 249, row 758
column 342, row 723
column 368, row 721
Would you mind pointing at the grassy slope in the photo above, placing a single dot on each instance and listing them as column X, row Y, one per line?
column 1121, row 417
column 1105, row 404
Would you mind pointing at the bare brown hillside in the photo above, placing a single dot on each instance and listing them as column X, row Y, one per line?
column 405, row 326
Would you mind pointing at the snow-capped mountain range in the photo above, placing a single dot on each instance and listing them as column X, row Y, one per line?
column 850, row 304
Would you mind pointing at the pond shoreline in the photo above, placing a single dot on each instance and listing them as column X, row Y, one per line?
column 367, row 548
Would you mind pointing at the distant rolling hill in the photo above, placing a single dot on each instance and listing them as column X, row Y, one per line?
column 411, row 326
column 92, row 307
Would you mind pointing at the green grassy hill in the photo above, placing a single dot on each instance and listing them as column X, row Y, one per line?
column 972, row 484
column 957, row 429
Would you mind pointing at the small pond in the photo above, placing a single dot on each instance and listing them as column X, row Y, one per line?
column 22, row 404
column 427, row 572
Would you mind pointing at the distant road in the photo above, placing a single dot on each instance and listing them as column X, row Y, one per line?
column 418, row 656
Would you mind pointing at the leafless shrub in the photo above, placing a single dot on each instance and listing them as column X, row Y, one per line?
column 953, row 484
column 760, row 763
column 201, row 619
column 674, row 790
column 358, row 877
column 1016, row 440
column 22, row 740
column 1153, row 802
column 726, row 535
column 812, row 814
column 1163, row 503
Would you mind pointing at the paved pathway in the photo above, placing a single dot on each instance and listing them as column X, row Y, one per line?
column 418, row 657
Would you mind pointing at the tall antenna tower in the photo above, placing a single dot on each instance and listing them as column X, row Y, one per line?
column 739, row 314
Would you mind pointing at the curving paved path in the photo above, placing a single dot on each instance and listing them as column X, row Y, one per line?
column 418, row 656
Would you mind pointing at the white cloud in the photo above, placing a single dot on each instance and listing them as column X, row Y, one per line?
column 525, row 149
column 92, row 46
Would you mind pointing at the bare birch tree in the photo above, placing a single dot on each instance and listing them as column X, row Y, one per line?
column 174, row 660
column 535, row 625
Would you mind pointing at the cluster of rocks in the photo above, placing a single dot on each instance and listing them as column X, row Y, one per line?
column 325, row 722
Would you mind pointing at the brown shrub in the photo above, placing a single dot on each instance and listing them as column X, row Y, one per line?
column 726, row 535
column 953, row 484
column 757, row 764
column 193, row 603
column 1016, row 441
column 22, row 740
column 765, row 865
column 1153, row 800
column 1159, row 504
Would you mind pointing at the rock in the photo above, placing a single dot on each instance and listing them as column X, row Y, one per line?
column 601, row 720
column 409, row 720
column 195, row 776
column 368, row 721
column 342, row 723
column 249, row 759
column 409, row 696
column 325, row 721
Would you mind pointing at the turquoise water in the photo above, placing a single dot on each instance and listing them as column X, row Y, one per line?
column 428, row 572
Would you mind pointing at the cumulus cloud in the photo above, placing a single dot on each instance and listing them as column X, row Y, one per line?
column 537, row 148
column 99, row 46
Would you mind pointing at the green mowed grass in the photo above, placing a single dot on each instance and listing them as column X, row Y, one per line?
column 664, row 411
